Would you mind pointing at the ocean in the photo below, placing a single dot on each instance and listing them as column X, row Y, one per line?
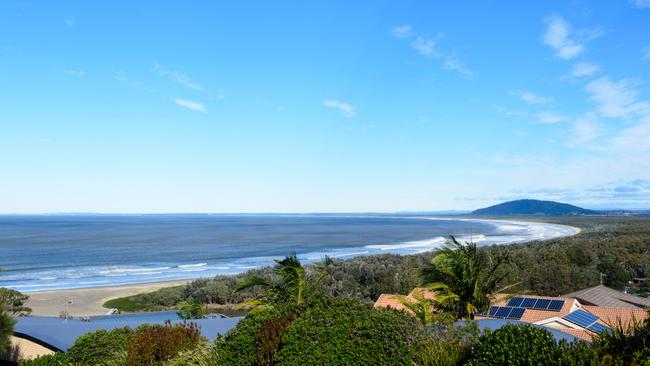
column 50, row 252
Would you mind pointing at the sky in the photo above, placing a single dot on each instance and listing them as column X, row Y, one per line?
column 322, row 106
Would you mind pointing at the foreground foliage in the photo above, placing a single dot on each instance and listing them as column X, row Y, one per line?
column 94, row 348
column 515, row 345
column 6, row 330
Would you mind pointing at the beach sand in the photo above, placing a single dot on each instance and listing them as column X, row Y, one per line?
column 88, row 301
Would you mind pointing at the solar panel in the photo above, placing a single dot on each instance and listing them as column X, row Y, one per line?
column 515, row 301
column 528, row 302
column 542, row 304
column 503, row 312
column 555, row 305
column 581, row 317
column 493, row 310
column 516, row 313
column 598, row 328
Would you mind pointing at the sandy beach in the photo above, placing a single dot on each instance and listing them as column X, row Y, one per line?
column 88, row 301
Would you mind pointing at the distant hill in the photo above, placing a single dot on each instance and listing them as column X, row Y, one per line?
column 533, row 207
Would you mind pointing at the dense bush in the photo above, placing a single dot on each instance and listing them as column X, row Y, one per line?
column 515, row 345
column 200, row 356
column 252, row 335
column 14, row 301
column 628, row 345
column 97, row 347
column 346, row 332
column 447, row 344
column 154, row 344
column 6, row 329
column 57, row 359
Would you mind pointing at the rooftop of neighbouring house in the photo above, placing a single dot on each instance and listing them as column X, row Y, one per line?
column 570, row 313
column 59, row 334
column 604, row 296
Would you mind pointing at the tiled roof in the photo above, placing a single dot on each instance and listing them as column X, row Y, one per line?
column 389, row 301
column 611, row 316
column 604, row 296
column 607, row 315
column 534, row 316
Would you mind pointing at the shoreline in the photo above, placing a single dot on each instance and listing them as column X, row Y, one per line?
column 89, row 301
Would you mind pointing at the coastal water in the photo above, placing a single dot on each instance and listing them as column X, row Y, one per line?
column 47, row 252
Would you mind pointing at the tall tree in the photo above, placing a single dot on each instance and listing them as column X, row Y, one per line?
column 6, row 330
column 14, row 301
column 457, row 270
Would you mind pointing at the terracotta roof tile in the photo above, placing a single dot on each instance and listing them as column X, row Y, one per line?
column 610, row 316
column 389, row 301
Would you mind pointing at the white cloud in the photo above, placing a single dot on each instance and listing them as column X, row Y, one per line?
column 425, row 46
column 615, row 99
column 643, row 4
column 195, row 106
column 122, row 78
column 403, row 31
column 635, row 138
column 453, row 63
column 558, row 37
column 520, row 133
column 75, row 72
column 346, row 109
column 69, row 22
column 177, row 77
column 550, row 118
column 583, row 69
column 529, row 97
column 584, row 129
column 646, row 54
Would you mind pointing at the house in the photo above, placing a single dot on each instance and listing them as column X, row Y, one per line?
column 39, row 335
column 567, row 314
column 604, row 296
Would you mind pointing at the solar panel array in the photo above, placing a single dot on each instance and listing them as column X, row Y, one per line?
column 585, row 320
column 535, row 303
column 506, row 312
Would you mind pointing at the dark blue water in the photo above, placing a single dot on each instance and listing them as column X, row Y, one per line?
column 58, row 251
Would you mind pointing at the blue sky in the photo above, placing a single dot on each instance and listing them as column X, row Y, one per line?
column 294, row 106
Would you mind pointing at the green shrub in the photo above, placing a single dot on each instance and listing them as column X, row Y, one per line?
column 97, row 347
column 57, row 359
column 241, row 345
column 345, row 332
column 516, row 345
column 579, row 353
column 6, row 329
column 448, row 345
column 625, row 345
column 155, row 344
column 200, row 356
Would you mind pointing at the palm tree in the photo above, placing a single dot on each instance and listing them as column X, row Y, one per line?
column 457, row 269
column 292, row 286
column 190, row 310
column 429, row 310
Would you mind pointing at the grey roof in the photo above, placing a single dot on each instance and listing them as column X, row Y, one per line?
column 604, row 296
column 494, row 324
column 60, row 334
